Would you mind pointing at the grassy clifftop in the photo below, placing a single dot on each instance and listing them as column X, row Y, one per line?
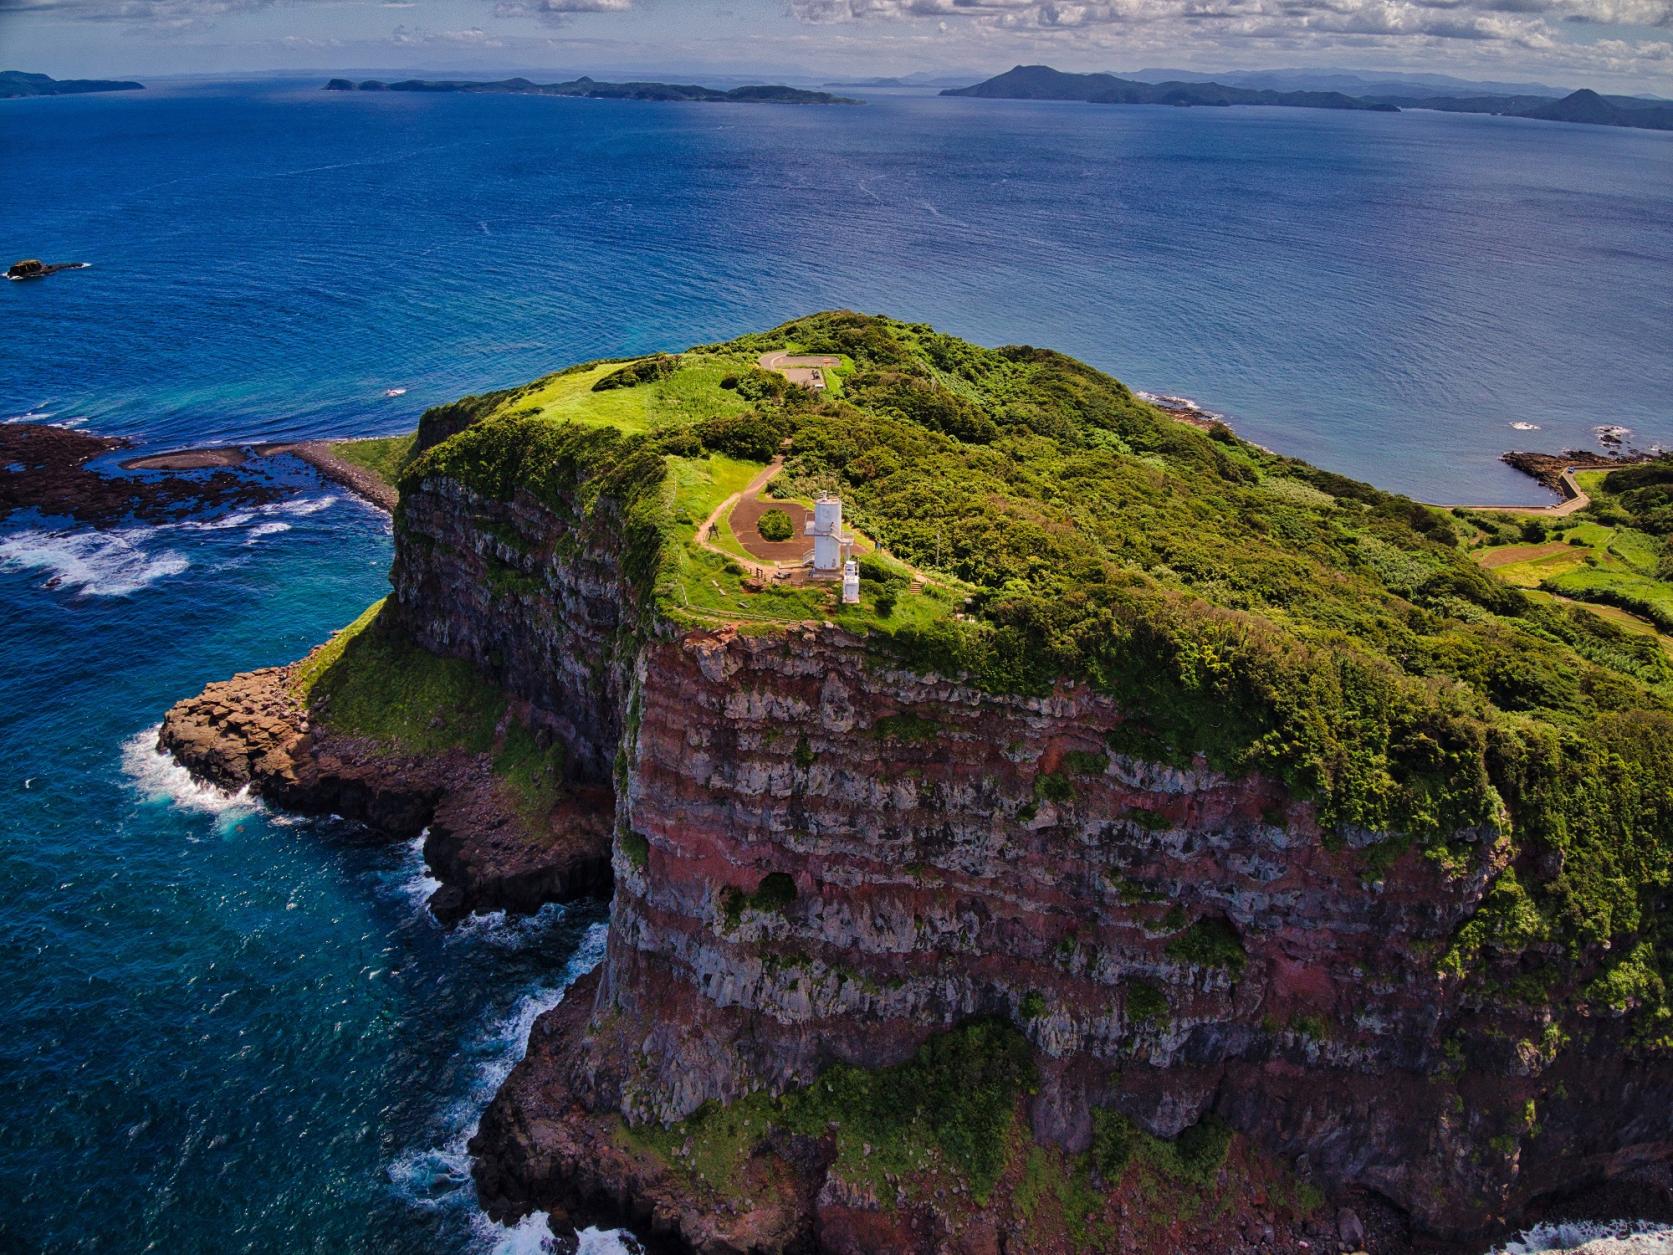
column 1244, row 605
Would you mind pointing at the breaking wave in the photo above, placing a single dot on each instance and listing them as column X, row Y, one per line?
column 304, row 506
column 1592, row 1237
column 157, row 777
column 100, row 564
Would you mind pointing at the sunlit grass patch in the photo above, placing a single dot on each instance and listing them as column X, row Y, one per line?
column 384, row 456
column 692, row 393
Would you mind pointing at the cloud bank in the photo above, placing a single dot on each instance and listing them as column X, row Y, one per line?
column 1567, row 40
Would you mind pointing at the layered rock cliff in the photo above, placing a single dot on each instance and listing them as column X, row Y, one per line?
column 1175, row 944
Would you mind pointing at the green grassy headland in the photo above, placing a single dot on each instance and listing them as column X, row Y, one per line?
column 1245, row 606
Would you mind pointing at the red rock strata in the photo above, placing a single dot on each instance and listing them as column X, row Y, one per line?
column 1000, row 856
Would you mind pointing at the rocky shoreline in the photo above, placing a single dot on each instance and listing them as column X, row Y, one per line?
column 250, row 732
column 319, row 454
column 46, row 468
column 50, row 469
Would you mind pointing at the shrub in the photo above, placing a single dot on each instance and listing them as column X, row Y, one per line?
column 775, row 526
column 907, row 727
column 773, row 895
column 1211, row 942
column 754, row 437
column 1145, row 1004
column 1086, row 763
column 646, row 370
column 1194, row 1158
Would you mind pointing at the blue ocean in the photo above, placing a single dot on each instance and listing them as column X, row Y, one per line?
column 229, row 1030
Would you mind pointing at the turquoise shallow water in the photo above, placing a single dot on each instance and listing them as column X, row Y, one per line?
column 230, row 1031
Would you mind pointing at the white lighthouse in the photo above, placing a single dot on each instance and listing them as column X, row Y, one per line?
column 831, row 545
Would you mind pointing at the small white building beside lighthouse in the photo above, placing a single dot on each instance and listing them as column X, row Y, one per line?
column 851, row 583
column 832, row 546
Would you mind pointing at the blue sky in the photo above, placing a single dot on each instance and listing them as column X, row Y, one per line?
column 1611, row 44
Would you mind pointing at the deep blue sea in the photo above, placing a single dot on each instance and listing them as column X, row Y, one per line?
column 230, row 1031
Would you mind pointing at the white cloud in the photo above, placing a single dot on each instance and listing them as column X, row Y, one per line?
column 1125, row 28
column 557, row 12
column 155, row 14
column 174, row 14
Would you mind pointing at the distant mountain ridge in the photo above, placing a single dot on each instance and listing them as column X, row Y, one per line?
column 1350, row 82
column 1041, row 82
column 18, row 83
column 591, row 89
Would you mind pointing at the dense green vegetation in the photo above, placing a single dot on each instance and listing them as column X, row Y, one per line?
column 775, row 525
column 948, row 1107
column 1193, row 1158
column 1246, row 606
column 371, row 681
column 952, row 1114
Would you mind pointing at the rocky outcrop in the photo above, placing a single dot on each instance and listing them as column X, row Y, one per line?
column 250, row 732
column 46, row 469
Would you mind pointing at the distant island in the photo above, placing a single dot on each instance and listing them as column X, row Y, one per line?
column 918, row 79
column 1584, row 106
column 1041, row 82
column 17, row 83
column 591, row 89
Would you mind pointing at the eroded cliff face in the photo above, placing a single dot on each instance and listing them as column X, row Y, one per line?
column 1173, row 942
column 534, row 598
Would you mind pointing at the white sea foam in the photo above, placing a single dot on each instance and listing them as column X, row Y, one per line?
column 607, row 1242
column 533, row 1236
column 157, row 777
column 439, row 1175
column 1525, row 426
column 223, row 524
column 410, row 879
column 307, row 505
column 1592, row 1237
column 265, row 529
column 508, row 1038
column 506, row 931
column 100, row 564
column 44, row 416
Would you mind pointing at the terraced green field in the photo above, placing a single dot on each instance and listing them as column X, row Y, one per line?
column 1603, row 557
